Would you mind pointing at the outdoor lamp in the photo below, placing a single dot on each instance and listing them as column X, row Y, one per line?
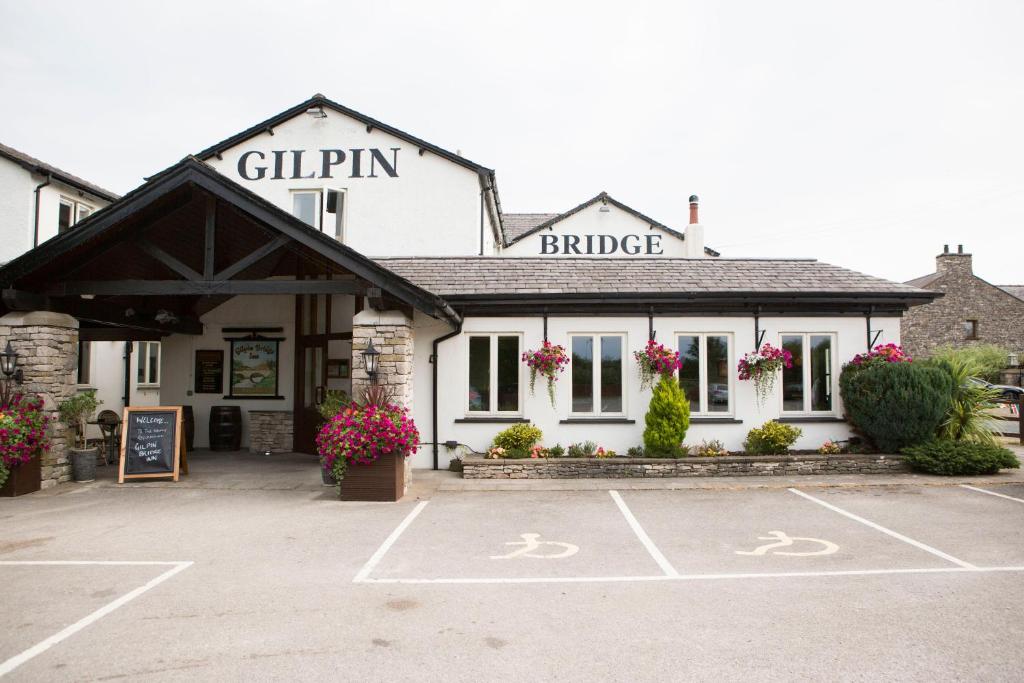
column 1013, row 360
column 9, row 364
column 371, row 358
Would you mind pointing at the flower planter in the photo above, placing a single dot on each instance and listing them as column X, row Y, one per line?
column 327, row 476
column 383, row 480
column 83, row 464
column 23, row 478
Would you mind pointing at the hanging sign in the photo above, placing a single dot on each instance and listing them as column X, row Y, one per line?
column 151, row 444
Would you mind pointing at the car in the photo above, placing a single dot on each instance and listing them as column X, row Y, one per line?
column 1007, row 392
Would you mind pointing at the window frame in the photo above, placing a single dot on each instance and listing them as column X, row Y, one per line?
column 973, row 335
column 596, row 375
column 84, row 352
column 806, row 411
column 63, row 201
column 493, row 376
column 318, row 212
column 143, row 363
column 702, row 372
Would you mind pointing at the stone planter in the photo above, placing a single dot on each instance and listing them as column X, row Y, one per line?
column 83, row 464
column 383, row 480
column 23, row 478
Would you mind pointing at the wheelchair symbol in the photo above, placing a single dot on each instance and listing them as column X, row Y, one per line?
column 530, row 544
column 781, row 540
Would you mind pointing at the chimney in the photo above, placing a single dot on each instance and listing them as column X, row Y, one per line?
column 949, row 262
column 694, row 242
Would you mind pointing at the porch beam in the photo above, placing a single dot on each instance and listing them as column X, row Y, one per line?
column 202, row 288
column 101, row 312
column 253, row 258
column 117, row 334
column 168, row 260
column 211, row 234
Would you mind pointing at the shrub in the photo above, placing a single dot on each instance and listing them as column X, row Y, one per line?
column 771, row 438
column 988, row 359
column 968, row 417
column 518, row 436
column 556, row 451
column 582, row 450
column 516, row 453
column 896, row 405
column 709, row 449
column 830, row 447
column 75, row 412
column 667, row 419
column 944, row 456
column 335, row 400
column 635, row 452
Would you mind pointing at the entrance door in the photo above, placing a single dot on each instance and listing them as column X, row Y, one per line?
column 320, row 320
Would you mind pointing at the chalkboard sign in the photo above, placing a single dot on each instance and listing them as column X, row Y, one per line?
column 151, row 444
column 209, row 371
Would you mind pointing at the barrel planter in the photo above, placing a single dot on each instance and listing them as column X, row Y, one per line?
column 225, row 428
column 23, row 478
column 83, row 464
column 189, row 422
column 381, row 480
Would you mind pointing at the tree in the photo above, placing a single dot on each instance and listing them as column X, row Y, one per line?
column 667, row 419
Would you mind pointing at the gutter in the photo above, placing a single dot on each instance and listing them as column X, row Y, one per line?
column 433, row 405
column 35, row 225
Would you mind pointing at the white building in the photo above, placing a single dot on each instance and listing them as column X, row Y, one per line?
column 282, row 249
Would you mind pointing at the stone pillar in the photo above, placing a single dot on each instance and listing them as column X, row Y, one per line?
column 47, row 348
column 391, row 332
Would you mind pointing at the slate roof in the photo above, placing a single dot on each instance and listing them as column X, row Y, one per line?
column 471, row 276
column 34, row 165
column 923, row 281
column 518, row 225
column 1016, row 290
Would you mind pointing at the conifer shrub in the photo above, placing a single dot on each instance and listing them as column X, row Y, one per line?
column 896, row 405
column 519, row 436
column 667, row 420
column 771, row 438
column 945, row 456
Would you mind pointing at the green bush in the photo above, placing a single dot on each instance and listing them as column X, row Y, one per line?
column 988, row 359
column 635, row 452
column 667, row 419
column 968, row 417
column 334, row 401
column 76, row 411
column 556, row 451
column 516, row 453
column 945, row 456
column 582, row 450
column 520, row 436
column 771, row 438
column 896, row 405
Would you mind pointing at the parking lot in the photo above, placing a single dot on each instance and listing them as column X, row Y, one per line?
column 908, row 582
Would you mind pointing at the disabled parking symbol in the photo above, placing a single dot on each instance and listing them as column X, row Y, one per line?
column 530, row 545
column 782, row 540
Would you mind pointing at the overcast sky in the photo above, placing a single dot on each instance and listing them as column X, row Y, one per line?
column 864, row 134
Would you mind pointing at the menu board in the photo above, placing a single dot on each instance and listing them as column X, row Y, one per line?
column 150, row 443
column 209, row 371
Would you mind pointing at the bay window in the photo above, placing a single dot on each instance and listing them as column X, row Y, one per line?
column 705, row 376
column 596, row 374
column 493, row 374
column 807, row 387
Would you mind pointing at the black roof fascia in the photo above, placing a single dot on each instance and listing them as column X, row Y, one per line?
column 62, row 177
column 604, row 196
column 320, row 100
column 190, row 170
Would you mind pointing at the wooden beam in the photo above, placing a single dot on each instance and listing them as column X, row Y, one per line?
column 253, row 258
column 117, row 334
column 211, row 234
column 168, row 260
column 201, row 288
column 101, row 312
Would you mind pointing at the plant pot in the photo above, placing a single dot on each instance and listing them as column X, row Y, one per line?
column 23, row 478
column 328, row 476
column 383, row 480
column 83, row 464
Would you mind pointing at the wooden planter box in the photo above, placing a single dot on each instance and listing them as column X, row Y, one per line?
column 25, row 478
column 382, row 480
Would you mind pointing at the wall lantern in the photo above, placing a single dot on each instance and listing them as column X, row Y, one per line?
column 371, row 360
column 317, row 112
column 1013, row 360
column 9, row 364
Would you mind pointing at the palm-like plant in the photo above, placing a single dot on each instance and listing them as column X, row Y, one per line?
column 968, row 418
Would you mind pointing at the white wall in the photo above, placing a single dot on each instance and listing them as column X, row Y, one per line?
column 432, row 207
column 16, row 207
column 613, row 223
column 850, row 336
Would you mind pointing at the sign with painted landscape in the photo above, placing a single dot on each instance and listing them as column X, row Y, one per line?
column 254, row 368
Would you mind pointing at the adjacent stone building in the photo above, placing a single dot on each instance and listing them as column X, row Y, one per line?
column 971, row 311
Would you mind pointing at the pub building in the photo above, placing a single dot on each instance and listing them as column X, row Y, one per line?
column 266, row 264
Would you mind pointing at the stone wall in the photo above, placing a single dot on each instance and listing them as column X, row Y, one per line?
column 271, row 431
column 392, row 335
column 725, row 466
column 47, row 348
column 1000, row 315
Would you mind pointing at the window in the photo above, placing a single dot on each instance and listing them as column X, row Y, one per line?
column 807, row 387
column 597, row 374
column 149, row 363
column 65, row 216
column 493, row 373
column 84, row 362
column 323, row 212
column 705, row 376
column 306, row 207
column 83, row 212
column 970, row 329
column 334, row 214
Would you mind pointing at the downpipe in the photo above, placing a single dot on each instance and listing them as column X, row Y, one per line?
column 35, row 226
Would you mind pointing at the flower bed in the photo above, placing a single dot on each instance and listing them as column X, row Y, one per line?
column 721, row 466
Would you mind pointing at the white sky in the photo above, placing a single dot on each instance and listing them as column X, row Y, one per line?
column 866, row 134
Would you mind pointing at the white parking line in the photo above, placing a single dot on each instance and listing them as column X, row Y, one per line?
column 992, row 493
column 388, row 542
column 890, row 532
column 662, row 561
column 37, row 649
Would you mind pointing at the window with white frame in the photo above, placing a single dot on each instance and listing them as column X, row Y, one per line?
column 84, row 371
column 70, row 212
column 321, row 209
column 597, row 374
column 148, row 372
column 493, row 374
column 808, row 386
column 705, row 377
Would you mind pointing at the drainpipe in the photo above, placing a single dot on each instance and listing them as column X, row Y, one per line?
column 127, row 374
column 433, row 407
column 482, row 194
column 35, row 227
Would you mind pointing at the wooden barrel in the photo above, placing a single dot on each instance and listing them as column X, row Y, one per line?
column 225, row 428
column 189, row 422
